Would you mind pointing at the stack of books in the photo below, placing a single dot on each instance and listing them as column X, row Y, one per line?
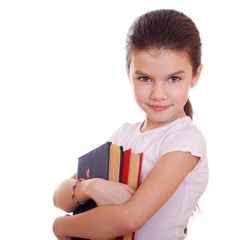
column 113, row 163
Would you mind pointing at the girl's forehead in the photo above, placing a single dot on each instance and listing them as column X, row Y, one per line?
column 160, row 53
column 161, row 59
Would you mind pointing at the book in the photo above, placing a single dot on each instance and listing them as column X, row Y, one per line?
column 109, row 162
column 125, row 165
column 115, row 163
column 132, row 165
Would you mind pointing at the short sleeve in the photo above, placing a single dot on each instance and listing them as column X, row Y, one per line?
column 189, row 139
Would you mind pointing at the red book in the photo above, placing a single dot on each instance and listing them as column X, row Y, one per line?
column 131, row 173
column 125, row 165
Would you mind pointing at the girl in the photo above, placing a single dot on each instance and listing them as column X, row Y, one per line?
column 163, row 61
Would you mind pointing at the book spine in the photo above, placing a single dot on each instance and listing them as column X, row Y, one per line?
column 140, row 168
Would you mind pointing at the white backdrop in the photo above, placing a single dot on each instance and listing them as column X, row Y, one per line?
column 64, row 91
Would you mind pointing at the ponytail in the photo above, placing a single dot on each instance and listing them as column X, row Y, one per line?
column 188, row 109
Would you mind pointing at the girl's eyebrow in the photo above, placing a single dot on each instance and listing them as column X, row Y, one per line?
column 171, row 74
column 140, row 73
column 177, row 72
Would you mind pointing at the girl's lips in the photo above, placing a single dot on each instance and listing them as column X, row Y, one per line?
column 159, row 108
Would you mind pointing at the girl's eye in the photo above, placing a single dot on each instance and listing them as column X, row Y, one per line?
column 174, row 79
column 145, row 79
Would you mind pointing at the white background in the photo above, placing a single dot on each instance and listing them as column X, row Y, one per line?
column 64, row 91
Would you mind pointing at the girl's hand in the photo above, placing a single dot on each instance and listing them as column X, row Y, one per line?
column 105, row 192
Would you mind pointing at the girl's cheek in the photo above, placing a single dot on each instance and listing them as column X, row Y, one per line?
column 181, row 96
column 139, row 93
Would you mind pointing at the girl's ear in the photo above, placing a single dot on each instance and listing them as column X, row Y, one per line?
column 196, row 76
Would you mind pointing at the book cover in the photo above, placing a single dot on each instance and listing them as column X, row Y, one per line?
column 97, row 163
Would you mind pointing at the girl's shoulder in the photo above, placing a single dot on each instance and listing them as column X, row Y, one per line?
column 184, row 136
column 186, row 131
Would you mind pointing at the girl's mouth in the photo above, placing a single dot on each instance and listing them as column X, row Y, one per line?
column 159, row 108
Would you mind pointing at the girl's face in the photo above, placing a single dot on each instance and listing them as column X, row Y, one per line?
column 161, row 81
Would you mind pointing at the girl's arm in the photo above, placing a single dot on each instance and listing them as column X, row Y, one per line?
column 62, row 196
column 107, row 222
column 101, row 191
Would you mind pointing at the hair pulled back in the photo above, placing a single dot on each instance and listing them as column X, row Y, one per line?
column 165, row 29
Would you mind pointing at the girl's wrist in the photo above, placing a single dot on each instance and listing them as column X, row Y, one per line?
column 89, row 187
column 85, row 189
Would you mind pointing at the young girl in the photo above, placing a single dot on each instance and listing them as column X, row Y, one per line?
column 163, row 60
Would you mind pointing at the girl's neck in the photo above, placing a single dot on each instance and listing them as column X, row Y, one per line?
column 149, row 124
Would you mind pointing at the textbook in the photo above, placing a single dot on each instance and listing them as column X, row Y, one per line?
column 131, row 173
column 109, row 162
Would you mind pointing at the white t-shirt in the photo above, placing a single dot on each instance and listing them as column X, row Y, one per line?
column 180, row 135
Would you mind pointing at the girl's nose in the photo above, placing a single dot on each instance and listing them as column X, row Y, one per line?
column 159, row 92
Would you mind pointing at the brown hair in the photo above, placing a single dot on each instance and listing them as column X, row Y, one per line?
column 165, row 29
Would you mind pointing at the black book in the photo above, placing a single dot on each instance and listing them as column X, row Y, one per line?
column 103, row 162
